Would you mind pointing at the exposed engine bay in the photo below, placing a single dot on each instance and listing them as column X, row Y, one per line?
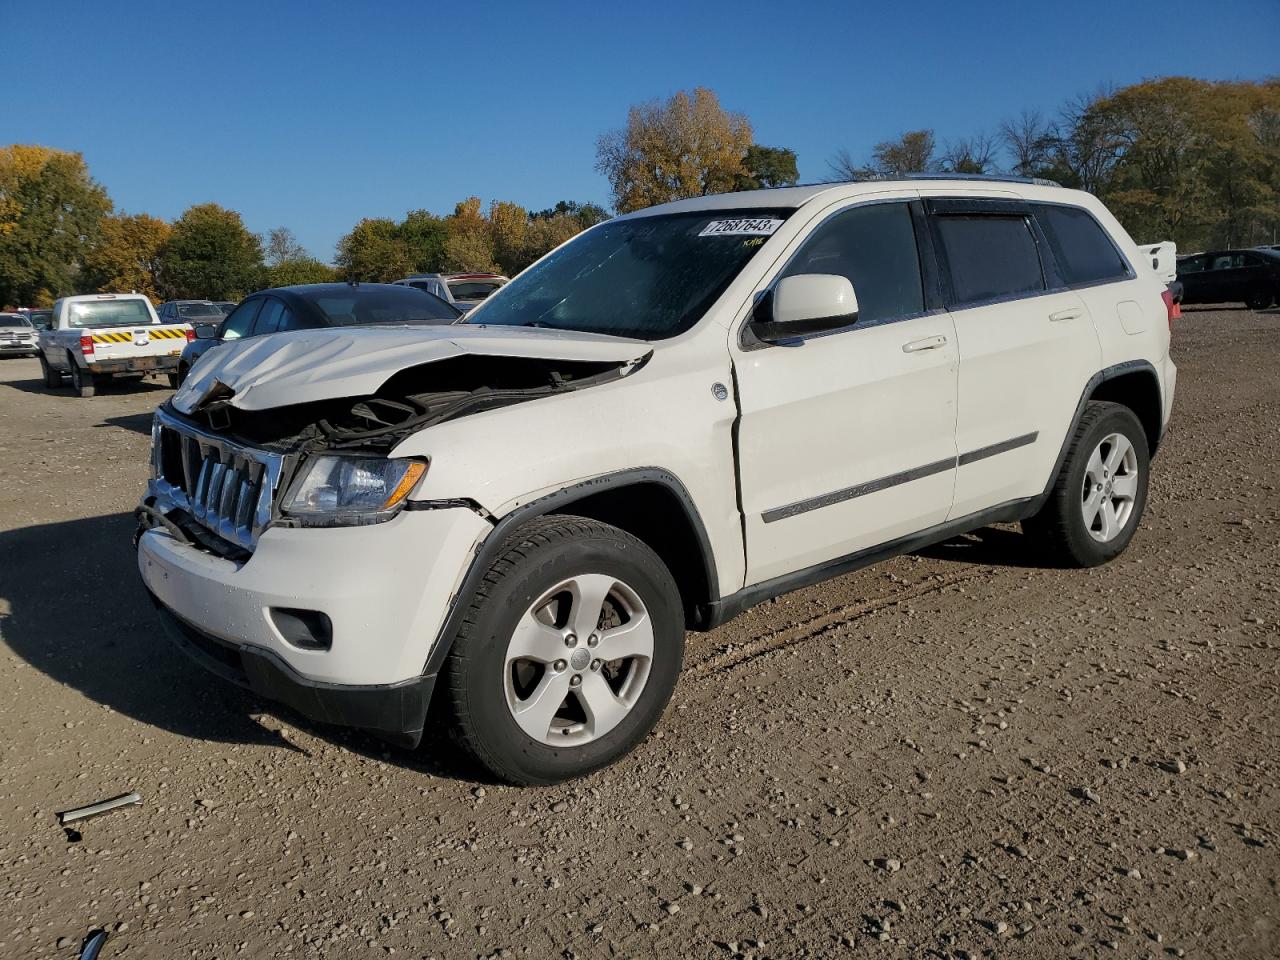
column 410, row 400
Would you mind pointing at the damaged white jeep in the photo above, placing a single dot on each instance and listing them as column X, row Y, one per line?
column 677, row 414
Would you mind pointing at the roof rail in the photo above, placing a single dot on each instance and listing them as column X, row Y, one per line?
column 996, row 177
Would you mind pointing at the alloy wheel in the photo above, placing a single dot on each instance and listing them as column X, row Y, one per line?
column 1110, row 487
column 578, row 660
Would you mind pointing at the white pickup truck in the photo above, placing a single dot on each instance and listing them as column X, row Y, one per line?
column 95, row 336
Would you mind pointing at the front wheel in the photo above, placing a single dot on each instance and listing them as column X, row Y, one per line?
column 568, row 654
column 1097, row 500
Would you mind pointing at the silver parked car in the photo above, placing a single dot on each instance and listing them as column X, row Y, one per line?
column 17, row 335
column 463, row 290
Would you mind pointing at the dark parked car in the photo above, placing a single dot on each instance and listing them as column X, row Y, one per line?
column 315, row 305
column 189, row 311
column 40, row 319
column 1251, row 277
column 226, row 306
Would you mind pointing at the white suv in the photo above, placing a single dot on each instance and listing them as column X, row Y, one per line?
column 677, row 414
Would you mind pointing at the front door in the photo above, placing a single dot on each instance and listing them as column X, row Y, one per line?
column 847, row 440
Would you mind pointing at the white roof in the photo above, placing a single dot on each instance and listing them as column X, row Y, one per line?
column 793, row 197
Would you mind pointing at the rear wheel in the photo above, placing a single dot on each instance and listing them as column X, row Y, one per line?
column 52, row 377
column 1260, row 299
column 83, row 382
column 568, row 654
column 176, row 380
column 1097, row 501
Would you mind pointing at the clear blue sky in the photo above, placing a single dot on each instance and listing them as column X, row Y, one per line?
column 314, row 114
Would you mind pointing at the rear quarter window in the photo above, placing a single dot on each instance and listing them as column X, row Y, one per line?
column 1083, row 249
column 990, row 257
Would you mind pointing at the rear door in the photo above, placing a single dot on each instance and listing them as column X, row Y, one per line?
column 847, row 440
column 1027, row 348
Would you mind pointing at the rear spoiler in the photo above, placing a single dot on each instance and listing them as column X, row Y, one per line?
column 1164, row 259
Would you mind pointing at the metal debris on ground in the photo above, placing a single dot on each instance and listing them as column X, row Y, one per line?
column 93, row 945
column 94, row 809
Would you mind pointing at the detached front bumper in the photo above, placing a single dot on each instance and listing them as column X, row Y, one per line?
column 383, row 591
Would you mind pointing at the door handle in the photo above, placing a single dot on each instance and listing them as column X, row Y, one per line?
column 1070, row 314
column 928, row 343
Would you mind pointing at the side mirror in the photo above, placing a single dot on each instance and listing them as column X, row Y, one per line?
column 206, row 331
column 806, row 304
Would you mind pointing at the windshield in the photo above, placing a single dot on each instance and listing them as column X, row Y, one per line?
column 13, row 320
column 649, row 278
column 107, row 313
column 193, row 311
column 382, row 304
column 472, row 289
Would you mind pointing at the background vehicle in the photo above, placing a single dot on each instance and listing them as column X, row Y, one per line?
column 226, row 306
column 194, row 312
column 97, row 336
column 17, row 335
column 311, row 306
column 40, row 319
column 1251, row 277
column 678, row 414
column 463, row 290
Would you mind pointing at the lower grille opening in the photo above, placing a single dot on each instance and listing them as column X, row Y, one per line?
column 308, row 629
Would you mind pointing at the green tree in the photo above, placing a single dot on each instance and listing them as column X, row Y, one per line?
column 374, row 251
column 299, row 270
column 767, row 167
column 127, row 255
column 423, row 235
column 687, row 146
column 211, row 256
column 50, row 216
column 587, row 214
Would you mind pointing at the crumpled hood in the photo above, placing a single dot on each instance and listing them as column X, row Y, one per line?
column 302, row 366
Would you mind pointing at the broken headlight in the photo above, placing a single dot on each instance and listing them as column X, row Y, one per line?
column 350, row 490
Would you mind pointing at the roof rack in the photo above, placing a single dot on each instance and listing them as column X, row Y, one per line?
column 996, row 177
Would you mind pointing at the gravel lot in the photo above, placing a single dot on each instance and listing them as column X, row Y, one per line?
column 954, row 754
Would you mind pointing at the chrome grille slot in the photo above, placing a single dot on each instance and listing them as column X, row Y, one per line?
column 226, row 488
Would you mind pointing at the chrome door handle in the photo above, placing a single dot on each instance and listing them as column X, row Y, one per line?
column 1071, row 314
column 928, row 343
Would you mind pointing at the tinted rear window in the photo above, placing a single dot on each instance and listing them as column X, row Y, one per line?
column 107, row 313
column 192, row 311
column 990, row 257
column 9, row 320
column 389, row 304
column 1084, row 252
column 472, row 289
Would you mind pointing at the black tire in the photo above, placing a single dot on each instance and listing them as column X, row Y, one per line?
column 1060, row 528
column 1260, row 299
column 174, row 381
column 535, row 558
column 180, row 377
column 52, row 377
column 83, row 382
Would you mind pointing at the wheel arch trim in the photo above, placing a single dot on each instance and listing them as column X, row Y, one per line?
column 555, row 502
column 1099, row 378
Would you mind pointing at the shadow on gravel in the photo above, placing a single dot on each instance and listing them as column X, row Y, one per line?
column 72, row 606
column 990, row 546
column 115, row 386
column 137, row 422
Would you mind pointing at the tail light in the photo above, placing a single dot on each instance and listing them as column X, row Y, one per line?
column 86, row 346
column 191, row 334
column 1172, row 306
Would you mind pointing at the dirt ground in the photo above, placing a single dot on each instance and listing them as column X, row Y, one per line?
column 955, row 754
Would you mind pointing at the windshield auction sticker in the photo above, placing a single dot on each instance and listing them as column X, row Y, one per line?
column 755, row 227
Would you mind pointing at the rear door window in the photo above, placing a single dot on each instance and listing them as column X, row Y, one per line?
column 874, row 245
column 269, row 317
column 1084, row 251
column 990, row 257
